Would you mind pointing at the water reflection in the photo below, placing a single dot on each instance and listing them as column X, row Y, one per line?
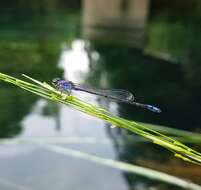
column 75, row 61
column 152, row 75
column 132, row 45
column 15, row 105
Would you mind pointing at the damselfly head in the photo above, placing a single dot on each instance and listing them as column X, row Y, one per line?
column 55, row 81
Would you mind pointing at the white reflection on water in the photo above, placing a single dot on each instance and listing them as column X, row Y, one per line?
column 41, row 169
column 32, row 167
column 72, row 123
column 75, row 61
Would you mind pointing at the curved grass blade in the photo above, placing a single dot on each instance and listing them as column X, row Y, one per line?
column 46, row 91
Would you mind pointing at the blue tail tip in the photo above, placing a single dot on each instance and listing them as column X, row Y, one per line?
column 153, row 108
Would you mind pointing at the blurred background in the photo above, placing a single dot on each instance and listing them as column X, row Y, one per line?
column 149, row 47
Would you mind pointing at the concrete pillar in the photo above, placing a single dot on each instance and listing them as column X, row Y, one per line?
column 115, row 20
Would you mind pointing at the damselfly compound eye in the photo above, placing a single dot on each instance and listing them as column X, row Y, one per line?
column 55, row 81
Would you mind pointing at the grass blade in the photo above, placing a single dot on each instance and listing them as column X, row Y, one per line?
column 46, row 91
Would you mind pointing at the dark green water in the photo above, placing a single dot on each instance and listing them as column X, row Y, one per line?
column 157, row 58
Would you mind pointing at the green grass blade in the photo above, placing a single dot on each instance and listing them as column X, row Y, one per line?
column 46, row 91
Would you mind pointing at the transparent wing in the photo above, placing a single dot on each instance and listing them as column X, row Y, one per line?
column 116, row 94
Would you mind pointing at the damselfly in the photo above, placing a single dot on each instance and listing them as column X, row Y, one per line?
column 113, row 94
